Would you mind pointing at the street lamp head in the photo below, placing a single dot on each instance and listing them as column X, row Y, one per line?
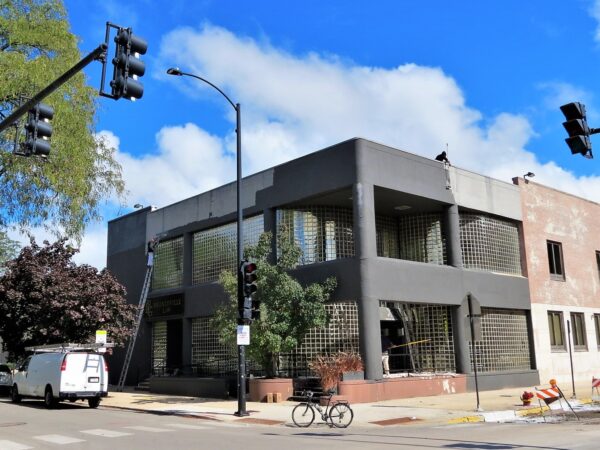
column 175, row 71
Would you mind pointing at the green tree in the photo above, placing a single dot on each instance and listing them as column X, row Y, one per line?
column 63, row 193
column 45, row 298
column 288, row 310
column 8, row 249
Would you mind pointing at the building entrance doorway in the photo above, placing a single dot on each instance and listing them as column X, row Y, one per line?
column 167, row 347
column 174, row 345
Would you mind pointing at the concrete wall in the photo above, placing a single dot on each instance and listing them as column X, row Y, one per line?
column 126, row 260
column 549, row 214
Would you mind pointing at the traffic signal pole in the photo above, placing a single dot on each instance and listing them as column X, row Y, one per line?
column 240, row 234
column 240, row 256
column 99, row 53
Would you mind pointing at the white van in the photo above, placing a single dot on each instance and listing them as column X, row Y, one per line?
column 62, row 372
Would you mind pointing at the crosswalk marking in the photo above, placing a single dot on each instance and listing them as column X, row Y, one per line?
column 149, row 429
column 10, row 445
column 58, row 439
column 105, row 433
column 186, row 426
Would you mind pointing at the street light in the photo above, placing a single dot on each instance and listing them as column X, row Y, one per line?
column 240, row 252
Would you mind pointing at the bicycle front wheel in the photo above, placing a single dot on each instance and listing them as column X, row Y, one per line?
column 303, row 415
column 341, row 415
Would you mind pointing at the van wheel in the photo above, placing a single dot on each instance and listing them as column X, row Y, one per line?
column 49, row 401
column 14, row 394
column 94, row 402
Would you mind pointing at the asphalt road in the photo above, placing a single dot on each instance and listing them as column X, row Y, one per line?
column 75, row 426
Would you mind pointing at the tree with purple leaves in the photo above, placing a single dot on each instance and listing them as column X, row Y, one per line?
column 45, row 298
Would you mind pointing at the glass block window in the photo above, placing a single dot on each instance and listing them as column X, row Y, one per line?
column 578, row 330
column 429, row 328
column 387, row 236
column 490, row 244
column 215, row 250
column 557, row 333
column 340, row 334
column 505, row 341
column 159, row 347
column 555, row 261
column 209, row 356
column 324, row 233
column 168, row 264
column 421, row 238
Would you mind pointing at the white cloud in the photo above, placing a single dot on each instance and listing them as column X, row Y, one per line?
column 293, row 105
column 298, row 104
column 92, row 250
column 595, row 13
column 189, row 161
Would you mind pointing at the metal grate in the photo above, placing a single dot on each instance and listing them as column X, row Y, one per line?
column 159, row 347
column 421, row 238
column 489, row 243
column 505, row 341
column 387, row 232
column 209, row 356
column 168, row 264
column 215, row 250
column 324, row 233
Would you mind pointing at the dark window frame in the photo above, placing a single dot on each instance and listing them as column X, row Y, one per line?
column 554, row 346
column 597, row 327
column 556, row 263
column 598, row 262
column 578, row 331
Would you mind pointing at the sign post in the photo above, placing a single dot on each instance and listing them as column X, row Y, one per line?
column 101, row 338
column 475, row 326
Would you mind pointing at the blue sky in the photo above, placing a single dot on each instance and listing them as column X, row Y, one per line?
column 485, row 77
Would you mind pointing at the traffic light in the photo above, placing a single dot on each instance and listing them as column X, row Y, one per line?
column 248, row 308
column 578, row 129
column 128, row 66
column 38, row 130
column 249, row 278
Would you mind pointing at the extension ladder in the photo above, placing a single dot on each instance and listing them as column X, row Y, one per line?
column 139, row 317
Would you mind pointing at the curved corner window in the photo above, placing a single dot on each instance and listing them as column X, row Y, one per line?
column 324, row 233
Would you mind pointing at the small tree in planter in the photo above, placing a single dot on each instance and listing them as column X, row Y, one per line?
column 330, row 368
column 287, row 309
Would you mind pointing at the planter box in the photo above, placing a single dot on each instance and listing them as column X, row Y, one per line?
column 260, row 387
column 368, row 391
column 353, row 376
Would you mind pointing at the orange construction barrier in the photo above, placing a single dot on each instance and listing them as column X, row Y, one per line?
column 550, row 395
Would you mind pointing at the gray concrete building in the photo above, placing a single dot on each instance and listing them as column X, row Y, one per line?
column 407, row 237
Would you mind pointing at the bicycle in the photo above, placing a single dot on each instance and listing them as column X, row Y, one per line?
column 339, row 414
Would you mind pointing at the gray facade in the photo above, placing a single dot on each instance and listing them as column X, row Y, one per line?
column 379, row 187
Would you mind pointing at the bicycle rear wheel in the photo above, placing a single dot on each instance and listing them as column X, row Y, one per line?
column 303, row 415
column 341, row 415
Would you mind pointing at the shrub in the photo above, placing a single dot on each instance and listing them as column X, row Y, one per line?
column 330, row 368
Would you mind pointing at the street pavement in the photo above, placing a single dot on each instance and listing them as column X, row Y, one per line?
column 495, row 406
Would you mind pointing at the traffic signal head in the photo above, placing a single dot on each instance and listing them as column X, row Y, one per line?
column 128, row 66
column 38, row 130
column 577, row 128
column 249, row 278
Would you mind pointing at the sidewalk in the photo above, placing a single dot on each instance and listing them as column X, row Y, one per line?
column 435, row 410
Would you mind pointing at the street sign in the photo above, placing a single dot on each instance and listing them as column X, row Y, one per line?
column 243, row 335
